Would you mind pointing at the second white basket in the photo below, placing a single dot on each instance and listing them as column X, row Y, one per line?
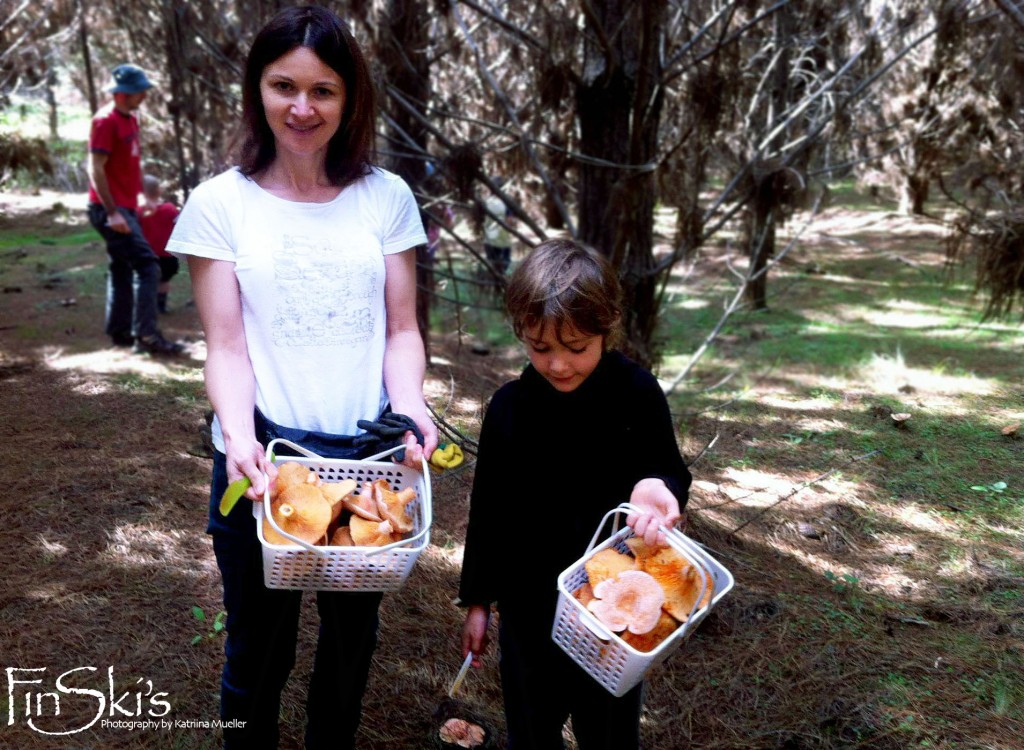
column 616, row 665
column 348, row 568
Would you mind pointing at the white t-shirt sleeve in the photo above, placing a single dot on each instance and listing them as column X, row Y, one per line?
column 403, row 228
column 204, row 227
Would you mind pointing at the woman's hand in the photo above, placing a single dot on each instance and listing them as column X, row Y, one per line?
column 247, row 458
column 658, row 507
column 414, row 452
column 474, row 632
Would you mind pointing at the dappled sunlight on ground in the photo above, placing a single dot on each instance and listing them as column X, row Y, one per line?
column 121, row 360
column 139, row 545
column 885, row 374
column 449, row 557
column 50, row 549
column 841, row 222
column 914, row 517
column 901, row 313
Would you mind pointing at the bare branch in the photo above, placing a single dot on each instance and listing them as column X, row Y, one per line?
column 510, row 111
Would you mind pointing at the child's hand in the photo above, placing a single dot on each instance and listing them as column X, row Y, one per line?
column 474, row 632
column 658, row 507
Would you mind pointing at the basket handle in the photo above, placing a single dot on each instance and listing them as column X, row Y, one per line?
column 427, row 505
column 675, row 539
column 269, row 516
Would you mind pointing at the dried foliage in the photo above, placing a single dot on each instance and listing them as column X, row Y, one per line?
column 996, row 245
column 18, row 154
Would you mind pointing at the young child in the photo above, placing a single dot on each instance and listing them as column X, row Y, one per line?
column 157, row 219
column 582, row 430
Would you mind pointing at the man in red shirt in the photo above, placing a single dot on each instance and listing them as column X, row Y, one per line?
column 115, row 180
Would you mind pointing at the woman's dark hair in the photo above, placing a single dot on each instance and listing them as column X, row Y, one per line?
column 564, row 283
column 351, row 151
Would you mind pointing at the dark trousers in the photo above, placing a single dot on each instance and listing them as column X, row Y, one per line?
column 542, row 687
column 262, row 628
column 132, row 278
column 499, row 257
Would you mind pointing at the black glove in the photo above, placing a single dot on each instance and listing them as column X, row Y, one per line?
column 387, row 432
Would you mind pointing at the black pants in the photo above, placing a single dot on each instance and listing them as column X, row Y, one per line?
column 132, row 277
column 542, row 687
column 262, row 627
column 499, row 257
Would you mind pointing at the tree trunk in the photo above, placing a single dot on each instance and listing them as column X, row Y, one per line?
column 619, row 105
column 51, row 99
column 175, row 60
column 761, row 239
column 766, row 201
column 406, row 67
column 913, row 195
column 83, row 37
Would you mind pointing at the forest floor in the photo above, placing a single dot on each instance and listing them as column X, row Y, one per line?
column 878, row 599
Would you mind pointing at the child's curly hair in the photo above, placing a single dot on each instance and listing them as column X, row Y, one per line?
column 564, row 283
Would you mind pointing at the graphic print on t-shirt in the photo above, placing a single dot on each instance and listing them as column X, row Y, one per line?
column 324, row 294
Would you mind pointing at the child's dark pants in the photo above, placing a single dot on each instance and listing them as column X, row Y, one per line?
column 542, row 687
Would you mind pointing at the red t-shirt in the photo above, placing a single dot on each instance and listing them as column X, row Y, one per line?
column 157, row 224
column 117, row 135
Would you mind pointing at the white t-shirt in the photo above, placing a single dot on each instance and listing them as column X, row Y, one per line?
column 311, row 277
column 494, row 233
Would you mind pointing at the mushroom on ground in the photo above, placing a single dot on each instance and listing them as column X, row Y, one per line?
column 900, row 420
column 631, row 601
column 462, row 733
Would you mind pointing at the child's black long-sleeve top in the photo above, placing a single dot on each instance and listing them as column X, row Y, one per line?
column 550, row 465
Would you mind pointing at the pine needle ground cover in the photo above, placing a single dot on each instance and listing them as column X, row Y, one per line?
column 878, row 562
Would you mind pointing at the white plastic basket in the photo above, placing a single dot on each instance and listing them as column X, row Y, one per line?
column 616, row 665
column 328, row 568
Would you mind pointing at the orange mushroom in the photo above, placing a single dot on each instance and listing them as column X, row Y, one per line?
column 335, row 494
column 302, row 511
column 649, row 641
column 367, row 533
column 630, row 601
column 391, row 505
column 585, row 594
column 291, row 473
column 679, row 579
column 362, row 503
column 342, row 537
column 608, row 563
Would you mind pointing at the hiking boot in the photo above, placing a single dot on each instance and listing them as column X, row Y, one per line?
column 122, row 339
column 156, row 344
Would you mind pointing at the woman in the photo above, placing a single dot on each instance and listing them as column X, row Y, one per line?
column 303, row 272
